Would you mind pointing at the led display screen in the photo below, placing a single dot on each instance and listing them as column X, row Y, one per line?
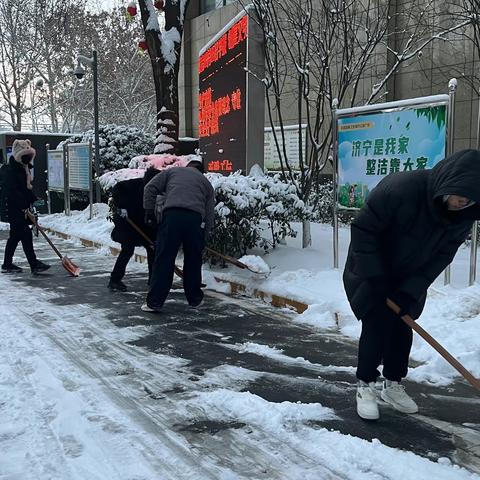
column 222, row 100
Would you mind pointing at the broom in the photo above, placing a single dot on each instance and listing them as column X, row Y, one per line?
column 234, row 261
column 178, row 271
column 475, row 382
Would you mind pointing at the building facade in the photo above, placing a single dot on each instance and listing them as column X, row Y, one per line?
column 426, row 74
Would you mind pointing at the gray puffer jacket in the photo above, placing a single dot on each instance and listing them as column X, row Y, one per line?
column 182, row 187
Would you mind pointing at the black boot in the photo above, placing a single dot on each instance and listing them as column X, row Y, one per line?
column 11, row 268
column 117, row 285
column 39, row 267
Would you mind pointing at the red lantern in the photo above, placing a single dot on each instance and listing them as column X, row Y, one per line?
column 142, row 45
column 159, row 4
column 132, row 9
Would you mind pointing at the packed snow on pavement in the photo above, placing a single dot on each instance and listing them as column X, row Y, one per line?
column 451, row 316
column 65, row 416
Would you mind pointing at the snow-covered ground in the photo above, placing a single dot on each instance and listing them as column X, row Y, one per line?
column 75, row 405
column 452, row 314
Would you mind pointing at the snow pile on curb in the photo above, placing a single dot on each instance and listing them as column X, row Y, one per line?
column 78, row 224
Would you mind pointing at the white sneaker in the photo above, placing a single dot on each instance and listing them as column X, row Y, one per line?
column 367, row 407
column 146, row 308
column 394, row 394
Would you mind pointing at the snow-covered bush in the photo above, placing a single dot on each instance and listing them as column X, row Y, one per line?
column 118, row 145
column 321, row 202
column 245, row 203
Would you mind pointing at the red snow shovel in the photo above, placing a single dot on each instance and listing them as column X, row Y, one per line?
column 178, row 271
column 475, row 382
column 71, row 268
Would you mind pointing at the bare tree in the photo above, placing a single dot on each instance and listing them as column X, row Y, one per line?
column 464, row 44
column 15, row 67
column 320, row 50
column 127, row 95
column 50, row 39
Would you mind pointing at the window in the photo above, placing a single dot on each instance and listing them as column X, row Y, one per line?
column 209, row 5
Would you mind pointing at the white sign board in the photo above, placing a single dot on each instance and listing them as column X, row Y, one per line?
column 291, row 133
column 55, row 170
column 79, row 166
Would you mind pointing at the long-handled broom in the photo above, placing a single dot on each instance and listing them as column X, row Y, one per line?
column 475, row 382
column 235, row 262
column 71, row 268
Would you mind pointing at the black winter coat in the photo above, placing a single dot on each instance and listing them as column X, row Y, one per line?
column 404, row 237
column 15, row 196
column 129, row 196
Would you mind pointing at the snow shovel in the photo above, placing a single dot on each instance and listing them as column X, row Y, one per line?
column 475, row 382
column 178, row 271
column 71, row 268
column 233, row 261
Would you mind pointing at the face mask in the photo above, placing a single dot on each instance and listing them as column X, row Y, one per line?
column 26, row 159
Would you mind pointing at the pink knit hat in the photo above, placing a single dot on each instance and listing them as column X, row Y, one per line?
column 22, row 147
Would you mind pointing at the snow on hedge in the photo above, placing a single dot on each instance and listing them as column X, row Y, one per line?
column 118, row 144
column 244, row 204
column 138, row 165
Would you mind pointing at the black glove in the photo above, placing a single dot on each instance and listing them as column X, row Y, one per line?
column 404, row 301
column 150, row 219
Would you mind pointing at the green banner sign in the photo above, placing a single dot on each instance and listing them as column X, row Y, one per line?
column 373, row 145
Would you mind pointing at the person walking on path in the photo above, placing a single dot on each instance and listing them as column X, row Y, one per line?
column 16, row 198
column 187, row 217
column 408, row 231
column 127, row 197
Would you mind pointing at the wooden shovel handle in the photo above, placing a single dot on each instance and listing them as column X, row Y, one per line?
column 227, row 258
column 40, row 229
column 140, row 232
column 441, row 350
column 178, row 271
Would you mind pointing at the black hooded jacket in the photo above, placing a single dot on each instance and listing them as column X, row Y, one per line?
column 15, row 196
column 128, row 195
column 404, row 237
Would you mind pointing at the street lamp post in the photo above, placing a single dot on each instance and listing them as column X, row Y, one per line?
column 79, row 73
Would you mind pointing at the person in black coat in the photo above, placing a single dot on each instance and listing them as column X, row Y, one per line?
column 127, row 197
column 406, row 234
column 16, row 198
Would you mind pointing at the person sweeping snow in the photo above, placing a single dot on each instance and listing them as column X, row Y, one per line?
column 187, row 202
column 16, row 199
column 407, row 233
column 127, row 198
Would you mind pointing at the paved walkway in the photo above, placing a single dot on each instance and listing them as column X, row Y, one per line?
column 314, row 366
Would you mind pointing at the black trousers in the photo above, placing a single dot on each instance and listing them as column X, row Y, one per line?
column 126, row 253
column 386, row 339
column 178, row 227
column 20, row 231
